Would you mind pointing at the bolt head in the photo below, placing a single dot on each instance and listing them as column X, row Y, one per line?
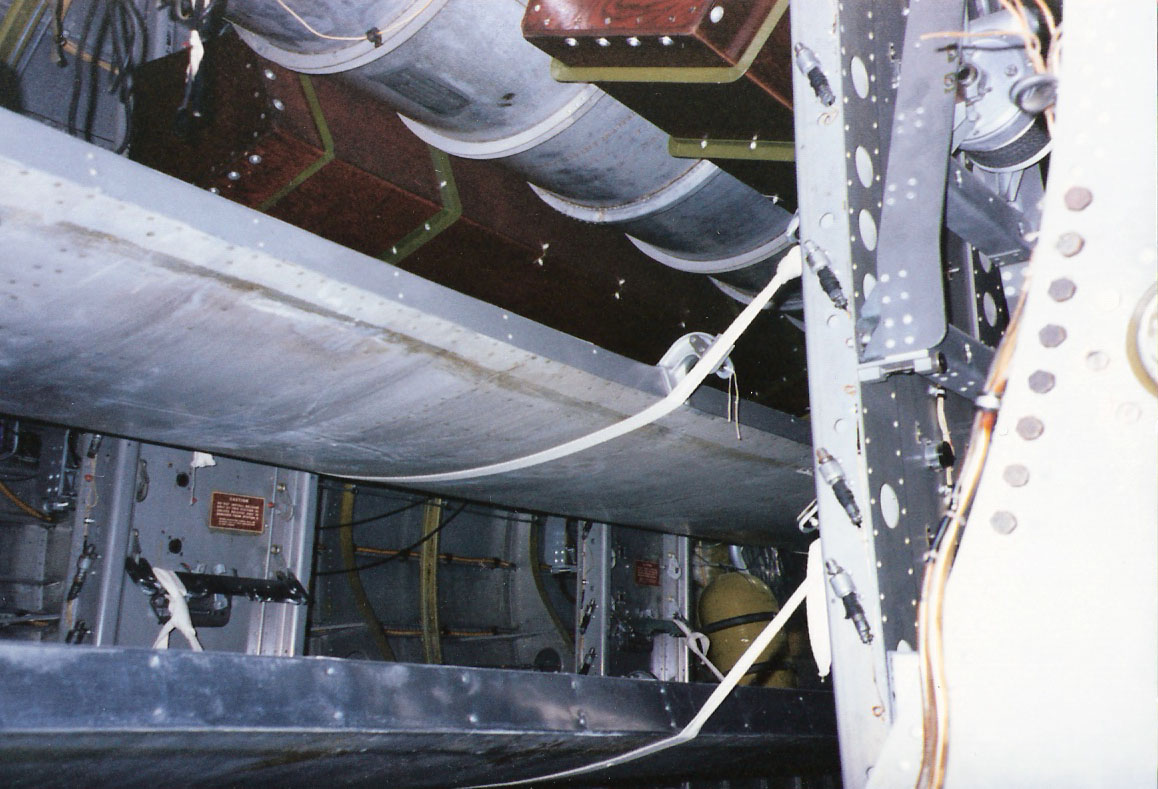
column 1128, row 413
column 1070, row 244
column 1030, row 427
column 1052, row 335
column 1062, row 289
column 1003, row 522
column 1078, row 198
column 1097, row 360
column 1015, row 475
column 1041, row 382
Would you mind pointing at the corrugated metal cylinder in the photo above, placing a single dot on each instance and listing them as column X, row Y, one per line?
column 461, row 75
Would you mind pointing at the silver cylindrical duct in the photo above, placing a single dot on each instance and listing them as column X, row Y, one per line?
column 464, row 80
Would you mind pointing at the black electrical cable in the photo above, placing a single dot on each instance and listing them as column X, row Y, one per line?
column 94, row 72
column 373, row 518
column 58, row 32
column 402, row 554
column 133, row 43
column 473, row 507
column 26, row 478
column 78, row 67
column 120, row 25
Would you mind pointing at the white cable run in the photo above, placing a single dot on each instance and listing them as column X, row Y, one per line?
column 690, row 731
column 788, row 269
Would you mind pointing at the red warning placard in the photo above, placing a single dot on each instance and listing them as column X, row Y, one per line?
column 646, row 573
column 235, row 512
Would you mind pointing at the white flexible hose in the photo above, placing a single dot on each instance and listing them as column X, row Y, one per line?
column 788, row 269
column 179, row 618
column 698, row 645
column 713, row 703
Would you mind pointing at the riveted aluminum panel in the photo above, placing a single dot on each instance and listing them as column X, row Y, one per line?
column 141, row 306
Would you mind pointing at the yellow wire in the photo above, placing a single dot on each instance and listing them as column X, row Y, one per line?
column 365, row 36
column 1033, row 45
column 930, row 612
column 964, row 34
column 1030, row 41
column 28, row 509
column 317, row 33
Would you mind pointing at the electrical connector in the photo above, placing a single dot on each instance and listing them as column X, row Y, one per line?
column 84, row 564
column 842, row 585
column 809, row 65
column 820, row 265
column 833, row 475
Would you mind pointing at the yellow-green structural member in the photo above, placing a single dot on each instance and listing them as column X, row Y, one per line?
column 734, row 608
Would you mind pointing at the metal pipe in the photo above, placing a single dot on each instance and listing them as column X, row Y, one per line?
column 465, row 81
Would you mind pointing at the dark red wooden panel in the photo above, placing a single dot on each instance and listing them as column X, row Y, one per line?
column 645, row 32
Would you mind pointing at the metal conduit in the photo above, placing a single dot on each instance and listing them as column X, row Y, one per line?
column 464, row 80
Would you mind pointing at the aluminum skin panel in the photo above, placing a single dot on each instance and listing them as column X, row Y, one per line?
column 1051, row 618
column 135, row 717
column 140, row 496
column 827, row 140
column 141, row 306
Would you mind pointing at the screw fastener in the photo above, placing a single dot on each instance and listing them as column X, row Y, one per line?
column 1016, row 475
column 1003, row 522
column 1078, row 198
column 1070, row 244
column 1052, row 335
column 1030, row 427
column 1062, row 289
column 1041, row 381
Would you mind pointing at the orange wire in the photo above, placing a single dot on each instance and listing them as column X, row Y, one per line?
column 26, row 508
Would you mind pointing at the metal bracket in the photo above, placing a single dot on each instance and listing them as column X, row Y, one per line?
column 962, row 364
column 984, row 219
column 447, row 216
column 202, row 588
column 906, row 309
column 683, row 355
column 959, row 363
column 918, row 362
column 755, row 150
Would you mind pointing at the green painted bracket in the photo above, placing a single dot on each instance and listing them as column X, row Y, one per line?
column 758, row 150
column 447, row 189
column 705, row 74
column 15, row 28
column 450, row 213
column 327, row 147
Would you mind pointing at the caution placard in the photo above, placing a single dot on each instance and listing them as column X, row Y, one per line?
column 234, row 512
column 646, row 573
